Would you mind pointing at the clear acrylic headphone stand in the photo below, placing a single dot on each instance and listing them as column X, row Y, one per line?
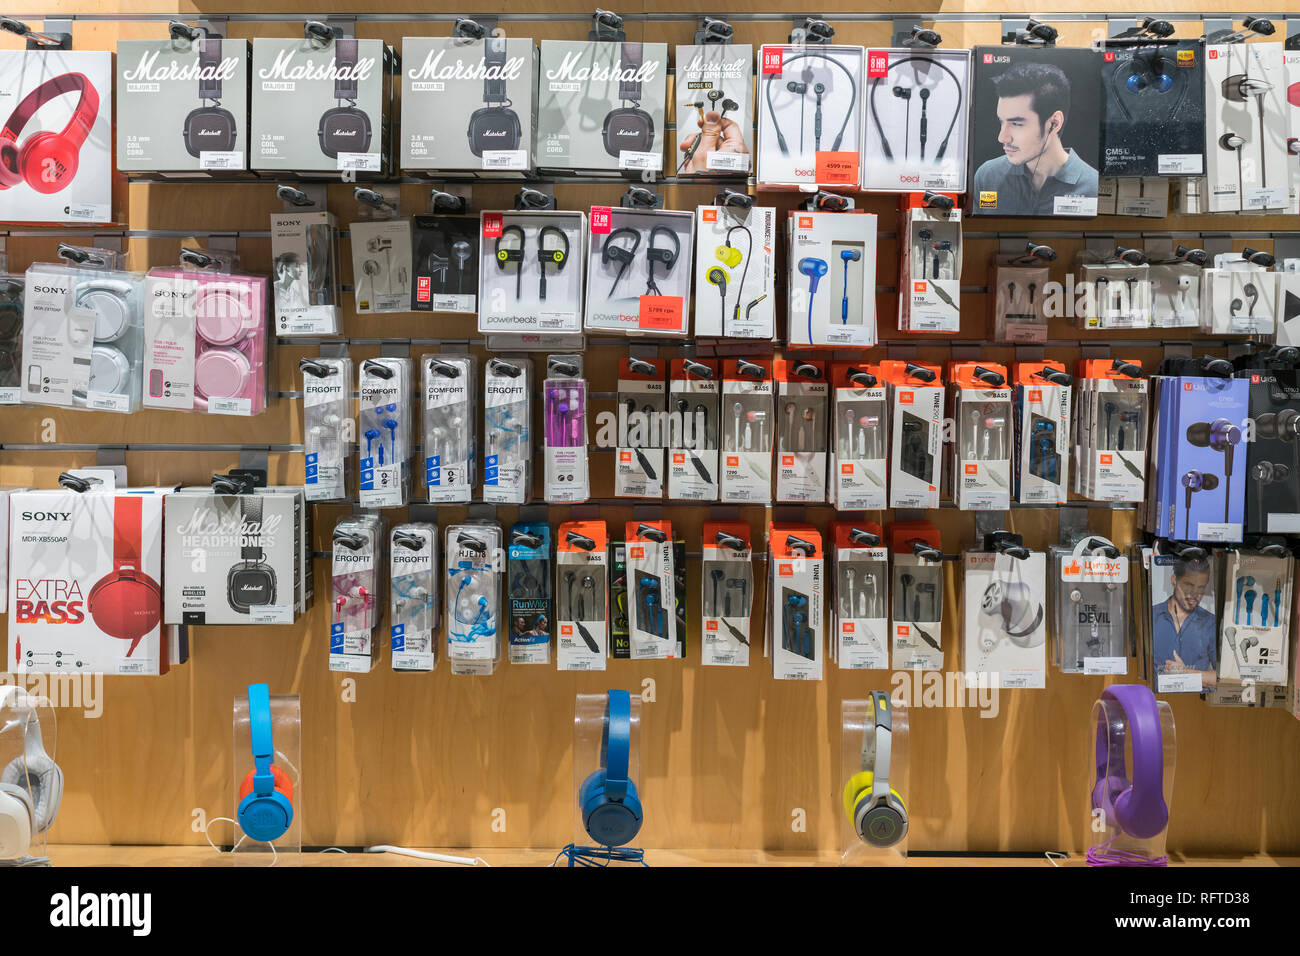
column 588, row 730
column 1111, row 845
column 20, row 713
column 286, row 736
column 856, row 719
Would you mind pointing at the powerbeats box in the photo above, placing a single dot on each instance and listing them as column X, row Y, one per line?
column 182, row 105
column 322, row 107
column 58, row 117
column 232, row 559
column 531, row 270
column 1246, row 166
column 1153, row 109
column 639, row 275
column 809, row 115
column 1035, row 132
column 715, row 109
column 468, row 105
column 917, row 104
column 600, row 106
column 84, row 573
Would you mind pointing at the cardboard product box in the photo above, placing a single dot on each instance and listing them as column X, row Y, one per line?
column 582, row 640
column 639, row 275
column 916, row 596
column 810, row 115
column 859, row 596
column 65, row 95
column 916, row 399
column 918, row 107
column 832, row 278
column 468, row 105
column 1246, row 132
column 322, row 107
column 600, row 106
column 802, row 403
column 12, row 288
column 1240, row 299
column 859, row 430
column 1291, row 74
column 304, row 578
column 381, row 265
column 305, row 288
column 445, row 264
column 1273, row 485
column 979, row 460
column 5, row 493
column 1153, row 109
column 747, row 430
column 735, row 254
column 643, row 427
column 1041, row 399
column 531, row 272
column 1004, row 617
column 929, row 267
column 715, row 109
column 1035, row 113
column 182, row 105
column 84, row 573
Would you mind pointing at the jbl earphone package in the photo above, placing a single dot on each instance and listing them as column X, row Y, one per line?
column 643, row 427
column 748, row 430
column 693, row 398
column 357, row 569
column 413, row 576
column 979, row 460
column 727, row 593
column 916, row 596
column 735, row 250
column 384, row 431
column 859, row 596
column 929, row 266
column 802, row 404
column 1041, row 401
column 507, row 430
column 1090, row 580
column 582, row 572
column 475, row 568
column 859, row 436
column 564, row 410
column 1004, row 601
column 1256, row 616
column 832, row 278
column 83, row 336
column 639, row 274
column 651, row 593
column 450, row 426
column 795, row 642
column 530, row 593
column 206, row 341
column 327, row 426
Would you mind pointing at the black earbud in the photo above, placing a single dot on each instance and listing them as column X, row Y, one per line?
column 623, row 255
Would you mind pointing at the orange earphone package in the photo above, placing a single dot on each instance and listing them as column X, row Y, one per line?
column 803, row 402
column 916, row 596
column 85, row 577
column 929, row 280
column 581, row 596
column 795, row 584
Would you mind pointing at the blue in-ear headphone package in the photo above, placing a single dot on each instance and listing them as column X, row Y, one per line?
column 413, row 624
column 450, row 426
column 384, row 431
column 1256, row 618
column 832, row 278
column 529, row 588
column 475, row 564
column 1153, row 108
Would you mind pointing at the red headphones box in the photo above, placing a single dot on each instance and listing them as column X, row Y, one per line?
column 85, row 578
column 57, row 135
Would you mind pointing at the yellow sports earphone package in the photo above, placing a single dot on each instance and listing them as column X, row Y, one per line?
column 735, row 250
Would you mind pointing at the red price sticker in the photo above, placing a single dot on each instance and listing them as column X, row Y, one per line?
column 661, row 313
column 877, row 64
column 423, row 288
column 773, row 57
column 600, row 216
column 492, row 225
column 837, row 169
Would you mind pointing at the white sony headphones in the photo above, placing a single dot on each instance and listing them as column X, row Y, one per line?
column 31, row 786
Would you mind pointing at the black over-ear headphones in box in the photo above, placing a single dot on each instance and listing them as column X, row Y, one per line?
column 495, row 125
column 344, row 129
column 629, row 127
column 209, row 127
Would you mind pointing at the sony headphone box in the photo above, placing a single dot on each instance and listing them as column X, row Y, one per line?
column 322, row 108
column 715, row 109
column 182, row 106
column 1035, row 147
column 232, row 559
column 305, row 283
column 55, row 155
column 600, row 106
column 468, row 105
column 1153, row 109
column 639, row 273
column 84, row 573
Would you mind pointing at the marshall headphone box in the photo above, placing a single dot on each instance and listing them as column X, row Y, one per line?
column 182, row 106
column 1153, row 110
column 468, row 105
column 322, row 107
column 232, row 559
column 56, row 153
column 715, row 109
column 601, row 106
column 1035, row 146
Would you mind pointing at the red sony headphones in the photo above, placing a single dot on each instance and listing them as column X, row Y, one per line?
column 47, row 160
column 126, row 603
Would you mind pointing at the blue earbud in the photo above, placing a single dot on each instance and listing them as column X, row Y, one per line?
column 611, row 808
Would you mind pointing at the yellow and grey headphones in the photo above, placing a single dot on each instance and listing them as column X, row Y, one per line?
column 873, row 807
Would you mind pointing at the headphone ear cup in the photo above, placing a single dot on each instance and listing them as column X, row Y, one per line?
column 48, row 162
column 266, row 818
column 17, row 818
column 42, row 780
column 10, row 172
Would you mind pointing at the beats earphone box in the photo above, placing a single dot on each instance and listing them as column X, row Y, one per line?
column 231, row 559
column 1153, row 109
column 322, row 107
column 639, row 272
column 182, row 105
column 600, row 106
column 84, row 573
column 56, row 161
column 206, row 341
column 468, row 105
column 715, row 109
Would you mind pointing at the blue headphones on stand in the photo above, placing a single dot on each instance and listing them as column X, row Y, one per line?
column 266, row 796
column 611, row 808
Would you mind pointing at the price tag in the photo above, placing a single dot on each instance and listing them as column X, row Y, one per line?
column 1179, row 164
column 214, row 159
column 271, row 614
column 837, row 168
column 1105, row 665
column 108, row 401
column 1074, row 206
column 89, row 212
column 1178, row 683
column 636, row 159
column 9, row 396
column 1273, row 197
column 359, row 162
column 600, row 220
column 317, row 320
column 230, row 406
column 727, row 162
column 661, row 313
column 505, row 159
column 492, row 225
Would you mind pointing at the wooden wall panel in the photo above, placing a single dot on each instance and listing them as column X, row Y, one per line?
column 729, row 757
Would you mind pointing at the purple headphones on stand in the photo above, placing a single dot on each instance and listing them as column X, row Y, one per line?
column 1135, row 805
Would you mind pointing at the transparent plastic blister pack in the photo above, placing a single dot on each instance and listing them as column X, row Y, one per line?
column 748, row 431
column 413, row 622
column 795, row 642
column 1256, row 617
column 1019, row 304
column 564, row 409
column 1176, row 295
column 507, row 430
column 384, row 431
column 328, row 426
column 1004, row 599
column 1090, row 584
column 450, row 426
column 693, row 404
column 33, row 779
column 475, row 565
column 381, row 265
column 917, row 612
column 357, row 575
column 802, row 404
column 530, row 593
column 1240, row 299
column 582, row 579
column 726, row 594
column 859, row 597
column 859, row 426
column 531, row 271
column 639, row 276
column 11, row 337
column 651, row 590
column 643, row 427
column 1118, row 294
column 267, row 780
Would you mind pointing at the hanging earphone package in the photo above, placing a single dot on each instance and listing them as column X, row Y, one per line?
column 531, row 272
column 832, row 280
column 916, row 596
column 83, row 337
column 1241, row 298
column 1153, row 107
column 475, row 569
column 1253, row 642
column 802, row 402
column 1273, row 458
column 327, row 427
column 381, row 265
column 1020, row 287
column 1041, row 465
column 413, row 609
column 859, row 433
column 1182, row 622
column 450, row 426
column 930, row 266
column 979, row 457
column 1110, row 430
column 507, row 430
column 693, row 422
column 859, row 596
column 445, row 264
column 747, row 431
column 809, row 115
column 1090, row 581
column 582, row 573
column 715, row 108
column 643, row 425
column 564, row 411
column 530, row 593
column 735, row 249
column 1176, row 289
column 727, row 593
column 1247, row 157
column 794, row 640
column 384, row 431
column 1004, row 600
column 651, row 592
column 12, row 294
column 639, row 276
column 306, row 282
column 356, row 579
column 916, row 397
column 1117, row 291
column 468, row 104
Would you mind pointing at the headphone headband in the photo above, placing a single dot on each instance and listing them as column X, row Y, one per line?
column 631, row 56
column 494, row 55
column 128, row 524
column 210, row 68
column 616, row 742
column 250, row 510
column 345, row 61
column 881, row 738
column 259, row 730
column 83, row 117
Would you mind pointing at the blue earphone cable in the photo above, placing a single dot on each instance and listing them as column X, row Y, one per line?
column 600, row 855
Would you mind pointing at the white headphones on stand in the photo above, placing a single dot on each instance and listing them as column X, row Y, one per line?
column 31, row 786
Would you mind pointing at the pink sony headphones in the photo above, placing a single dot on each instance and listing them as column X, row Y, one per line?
column 226, row 324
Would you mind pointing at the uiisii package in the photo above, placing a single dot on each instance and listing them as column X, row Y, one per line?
column 859, row 428
column 1273, row 488
column 582, row 573
column 306, row 281
column 475, row 559
column 727, row 593
column 1246, row 130
column 1090, row 581
column 381, row 265
column 328, row 426
column 715, row 108
column 802, row 403
column 413, row 625
column 832, row 280
column 794, row 634
column 859, row 596
column 1176, row 301
column 642, row 428
column 747, row 430
column 529, row 593
column 564, row 408
column 1240, row 296
column 1153, row 108
column 445, row 263
column 693, row 403
column 639, row 276
column 1183, row 623
column 916, row 596
column 356, row 579
column 1020, row 295
column 384, row 432
column 651, row 590
column 450, row 426
column 1004, row 596
column 1256, row 617
column 507, row 432
column 735, row 249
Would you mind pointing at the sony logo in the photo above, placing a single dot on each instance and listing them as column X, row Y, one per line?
column 172, row 293
column 569, row 70
column 178, row 73
column 432, row 69
column 47, row 515
column 282, row 69
column 50, row 289
column 738, row 69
